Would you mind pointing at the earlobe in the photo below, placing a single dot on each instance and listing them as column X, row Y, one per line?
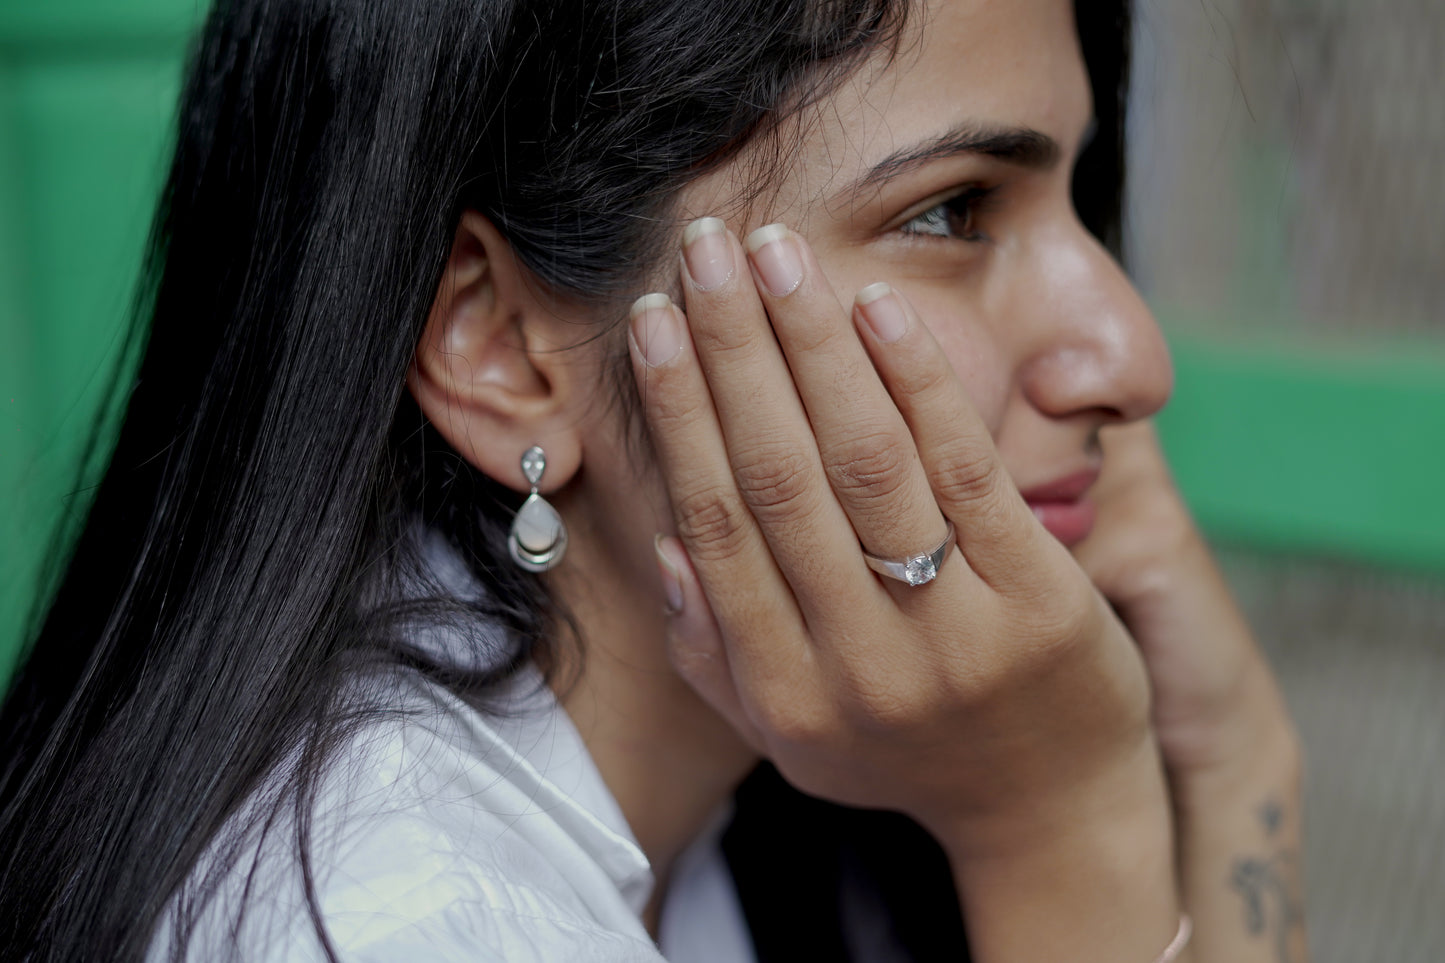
column 485, row 372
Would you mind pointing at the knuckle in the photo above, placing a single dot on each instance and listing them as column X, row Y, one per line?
column 796, row 723
column 1066, row 618
column 874, row 468
column 882, row 703
column 924, row 380
column 671, row 410
column 711, row 522
column 725, row 342
column 965, row 476
column 816, row 338
column 776, row 480
column 667, row 390
column 696, row 661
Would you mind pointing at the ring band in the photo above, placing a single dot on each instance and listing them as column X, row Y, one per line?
column 916, row 569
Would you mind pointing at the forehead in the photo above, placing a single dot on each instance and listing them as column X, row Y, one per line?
column 982, row 63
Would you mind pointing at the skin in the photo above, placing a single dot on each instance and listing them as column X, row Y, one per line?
column 1090, row 735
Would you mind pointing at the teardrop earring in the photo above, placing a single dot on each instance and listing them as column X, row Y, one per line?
column 538, row 537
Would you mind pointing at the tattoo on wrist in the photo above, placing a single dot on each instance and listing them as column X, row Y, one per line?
column 1271, row 816
column 1269, row 886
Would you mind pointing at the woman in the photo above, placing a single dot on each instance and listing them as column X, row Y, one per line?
column 289, row 700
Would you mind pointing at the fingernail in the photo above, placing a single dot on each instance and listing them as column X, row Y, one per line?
column 883, row 311
column 656, row 329
column 776, row 256
column 671, row 580
column 707, row 253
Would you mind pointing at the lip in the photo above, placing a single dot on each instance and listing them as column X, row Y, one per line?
column 1062, row 508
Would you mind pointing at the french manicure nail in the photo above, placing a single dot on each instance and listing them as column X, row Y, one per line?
column 707, row 253
column 882, row 310
column 671, row 580
column 656, row 328
column 778, row 260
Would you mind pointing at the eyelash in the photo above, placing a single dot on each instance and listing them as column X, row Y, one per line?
column 966, row 204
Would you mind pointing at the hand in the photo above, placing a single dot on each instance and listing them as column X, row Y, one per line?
column 1005, row 693
column 1214, row 696
column 1223, row 730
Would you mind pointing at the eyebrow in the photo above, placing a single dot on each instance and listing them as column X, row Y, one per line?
column 1019, row 146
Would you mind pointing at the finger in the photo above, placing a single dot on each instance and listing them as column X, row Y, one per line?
column 863, row 442
column 996, row 531
column 751, row 600
column 1144, row 539
column 695, row 645
column 769, row 441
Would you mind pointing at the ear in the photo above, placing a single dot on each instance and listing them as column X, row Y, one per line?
column 490, row 372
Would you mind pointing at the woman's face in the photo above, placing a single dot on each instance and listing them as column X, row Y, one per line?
column 946, row 172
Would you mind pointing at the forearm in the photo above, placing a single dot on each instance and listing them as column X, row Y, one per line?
column 1239, row 851
column 1092, row 880
column 1229, row 747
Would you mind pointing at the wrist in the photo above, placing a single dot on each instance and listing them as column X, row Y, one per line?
column 1256, row 745
column 1085, row 878
column 1030, row 820
column 1238, row 825
column 1271, row 769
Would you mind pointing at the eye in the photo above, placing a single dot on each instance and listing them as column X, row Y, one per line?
column 952, row 218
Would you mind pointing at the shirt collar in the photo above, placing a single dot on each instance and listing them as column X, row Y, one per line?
column 547, row 756
column 550, row 750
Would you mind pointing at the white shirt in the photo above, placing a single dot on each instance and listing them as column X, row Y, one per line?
column 442, row 834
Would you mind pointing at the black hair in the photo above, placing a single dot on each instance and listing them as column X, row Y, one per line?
column 243, row 554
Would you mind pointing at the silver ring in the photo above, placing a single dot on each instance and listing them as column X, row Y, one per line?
column 916, row 569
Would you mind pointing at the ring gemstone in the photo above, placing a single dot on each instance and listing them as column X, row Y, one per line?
column 920, row 570
column 914, row 570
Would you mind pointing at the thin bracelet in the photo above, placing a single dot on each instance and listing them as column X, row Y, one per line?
column 1181, row 940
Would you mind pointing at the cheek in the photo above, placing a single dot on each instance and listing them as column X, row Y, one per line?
column 974, row 352
column 976, row 356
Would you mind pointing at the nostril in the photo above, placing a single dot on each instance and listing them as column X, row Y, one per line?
column 1115, row 370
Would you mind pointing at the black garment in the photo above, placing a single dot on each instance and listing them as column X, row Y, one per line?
column 822, row 882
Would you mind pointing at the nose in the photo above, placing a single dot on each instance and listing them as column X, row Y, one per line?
column 1095, row 348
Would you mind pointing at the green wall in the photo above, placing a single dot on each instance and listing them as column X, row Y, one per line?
column 1336, row 450
column 87, row 92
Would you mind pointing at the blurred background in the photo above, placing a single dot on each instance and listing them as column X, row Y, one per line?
column 1286, row 209
column 1287, row 223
